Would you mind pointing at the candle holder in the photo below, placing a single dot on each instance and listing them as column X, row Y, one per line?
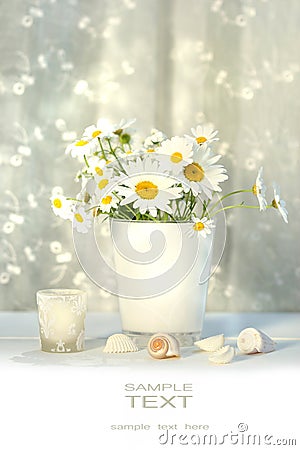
column 61, row 319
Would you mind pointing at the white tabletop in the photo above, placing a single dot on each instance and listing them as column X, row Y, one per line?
column 75, row 400
column 19, row 342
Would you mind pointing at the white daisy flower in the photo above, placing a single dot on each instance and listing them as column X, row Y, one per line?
column 202, row 226
column 179, row 152
column 81, row 148
column 61, row 206
column 108, row 202
column 279, row 204
column 102, row 180
column 259, row 190
column 155, row 138
column 147, row 189
column 91, row 132
column 138, row 165
column 203, row 134
column 202, row 174
column 82, row 220
column 103, row 129
column 96, row 165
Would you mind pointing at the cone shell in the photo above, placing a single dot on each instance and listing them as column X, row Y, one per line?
column 120, row 343
column 161, row 346
column 211, row 344
column 222, row 356
column 251, row 340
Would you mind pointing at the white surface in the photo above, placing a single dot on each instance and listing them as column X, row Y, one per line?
column 19, row 342
column 71, row 401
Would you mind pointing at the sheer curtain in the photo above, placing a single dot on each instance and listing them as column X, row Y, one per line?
column 171, row 64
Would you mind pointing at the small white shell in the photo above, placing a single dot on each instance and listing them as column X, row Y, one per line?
column 161, row 346
column 222, row 356
column 251, row 340
column 212, row 343
column 120, row 343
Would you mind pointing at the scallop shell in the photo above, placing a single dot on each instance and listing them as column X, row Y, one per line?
column 119, row 343
column 212, row 343
column 222, row 356
column 251, row 340
column 161, row 346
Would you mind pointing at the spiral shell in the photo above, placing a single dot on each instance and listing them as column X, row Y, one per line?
column 211, row 343
column 251, row 340
column 161, row 346
column 120, row 343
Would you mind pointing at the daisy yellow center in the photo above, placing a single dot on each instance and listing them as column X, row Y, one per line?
column 129, row 152
column 96, row 133
column 107, row 200
column 274, row 204
column 57, row 203
column 102, row 183
column 78, row 217
column 150, row 150
column 201, row 139
column 81, row 143
column 255, row 189
column 194, row 172
column 146, row 190
column 198, row 226
column 99, row 171
column 176, row 157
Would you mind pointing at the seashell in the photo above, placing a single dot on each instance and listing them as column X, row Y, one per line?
column 212, row 343
column 119, row 343
column 251, row 340
column 161, row 346
column 222, row 356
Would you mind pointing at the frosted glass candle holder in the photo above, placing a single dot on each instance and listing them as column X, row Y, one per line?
column 61, row 318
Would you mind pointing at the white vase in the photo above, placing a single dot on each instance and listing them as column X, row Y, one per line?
column 162, row 278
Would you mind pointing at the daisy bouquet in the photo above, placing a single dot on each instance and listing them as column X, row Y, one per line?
column 159, row 178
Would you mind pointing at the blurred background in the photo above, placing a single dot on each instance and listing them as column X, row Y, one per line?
column 172, row 64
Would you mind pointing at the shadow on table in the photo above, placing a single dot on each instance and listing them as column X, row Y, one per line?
column 92, row 356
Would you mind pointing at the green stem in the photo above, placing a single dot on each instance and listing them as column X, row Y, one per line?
column 186, row 204
column 126, row 206
column 240, row 205
column 102, row 149
column 193, row 204
column 177, row 208
column 229, row 195
column 150, row 217
column 86, row 161
column 115, row 155
column 204, row 208
column 123, row 215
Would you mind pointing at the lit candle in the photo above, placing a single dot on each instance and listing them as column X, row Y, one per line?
column 61, row 319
